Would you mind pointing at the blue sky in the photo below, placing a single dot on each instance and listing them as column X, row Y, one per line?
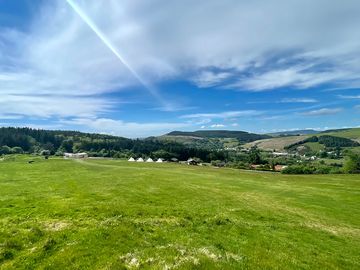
column 139, row 68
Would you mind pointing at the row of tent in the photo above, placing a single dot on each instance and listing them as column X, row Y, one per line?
column 142, row 160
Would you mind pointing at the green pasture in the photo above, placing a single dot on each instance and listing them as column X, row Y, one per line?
column 111, row 214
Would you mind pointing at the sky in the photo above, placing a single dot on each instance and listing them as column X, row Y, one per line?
column 137, row 68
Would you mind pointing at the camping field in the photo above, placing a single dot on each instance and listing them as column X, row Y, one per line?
column 111, row 214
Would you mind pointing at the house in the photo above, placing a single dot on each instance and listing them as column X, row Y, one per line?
column 76, row 155
column 279, row 168
column 160, row 160
column 131, row 159
column 149, row 160
column 140, row 160
column 191, row 161
column 280, row 154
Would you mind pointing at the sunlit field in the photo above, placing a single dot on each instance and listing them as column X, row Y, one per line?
column 111, row 214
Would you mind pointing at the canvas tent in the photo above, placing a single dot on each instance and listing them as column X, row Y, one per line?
column 159, row 160
column 140, row 160
column 131, row 159
column 149, row 160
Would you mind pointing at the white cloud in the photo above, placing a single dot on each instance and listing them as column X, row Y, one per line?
column 209, row 78
column 217, row 126
column 304, row 44
column 123, row 128
column 299, row 77
column 349, row 97
column 45, row 106
column 298, row 100
column 234, row 124
column 224, row 115
column 323, row 111
column 164, row 39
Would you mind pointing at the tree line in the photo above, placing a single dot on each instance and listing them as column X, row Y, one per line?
column 57, row 142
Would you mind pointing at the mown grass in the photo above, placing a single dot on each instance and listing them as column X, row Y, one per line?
column 107, row 214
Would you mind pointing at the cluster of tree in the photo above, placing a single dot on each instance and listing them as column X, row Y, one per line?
column 328, row 141
column 311, row 169
column 352, row 163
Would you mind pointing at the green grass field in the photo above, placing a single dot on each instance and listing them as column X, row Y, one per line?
column 109, row 214
column 314, row 146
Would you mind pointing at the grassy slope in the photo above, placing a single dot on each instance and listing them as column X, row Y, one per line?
column 353, row 133
column 315, row 146
column 277, row 143
column 102, row 214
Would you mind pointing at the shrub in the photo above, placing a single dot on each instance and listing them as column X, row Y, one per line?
column 352, row 164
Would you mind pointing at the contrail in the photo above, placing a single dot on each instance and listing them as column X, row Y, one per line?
column 108, row 44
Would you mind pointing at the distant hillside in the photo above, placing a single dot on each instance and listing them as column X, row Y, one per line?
column 350, row 133
column 279, row 143
column 295, row 132
column 242, row 136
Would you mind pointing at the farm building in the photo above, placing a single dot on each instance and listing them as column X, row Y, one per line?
column 149, row 160
column 140, row 160
column 131, row 159
column 76, row 155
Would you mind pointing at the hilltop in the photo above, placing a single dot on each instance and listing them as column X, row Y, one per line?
column 242, row 136
column 294, row 132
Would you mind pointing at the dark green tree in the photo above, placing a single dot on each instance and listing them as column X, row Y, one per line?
column 352, row 163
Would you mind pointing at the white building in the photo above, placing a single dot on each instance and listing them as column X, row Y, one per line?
column 76, row 155
column 280, row 154
column 140, row 160
column 131, row 159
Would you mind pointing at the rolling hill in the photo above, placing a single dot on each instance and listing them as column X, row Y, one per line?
column 351, row 133
column 242, row 136
column 279, row 143
column 295, row 132
column 212, row 139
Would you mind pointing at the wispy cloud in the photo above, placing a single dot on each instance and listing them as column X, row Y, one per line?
column 321, row 112
column 217, row 126
column 301, row 77
column 224, row 115
column 58, row 57
column 210, row 78
column 46, row 106
column 123, row 128
column 298, row 100
column 349, row 97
